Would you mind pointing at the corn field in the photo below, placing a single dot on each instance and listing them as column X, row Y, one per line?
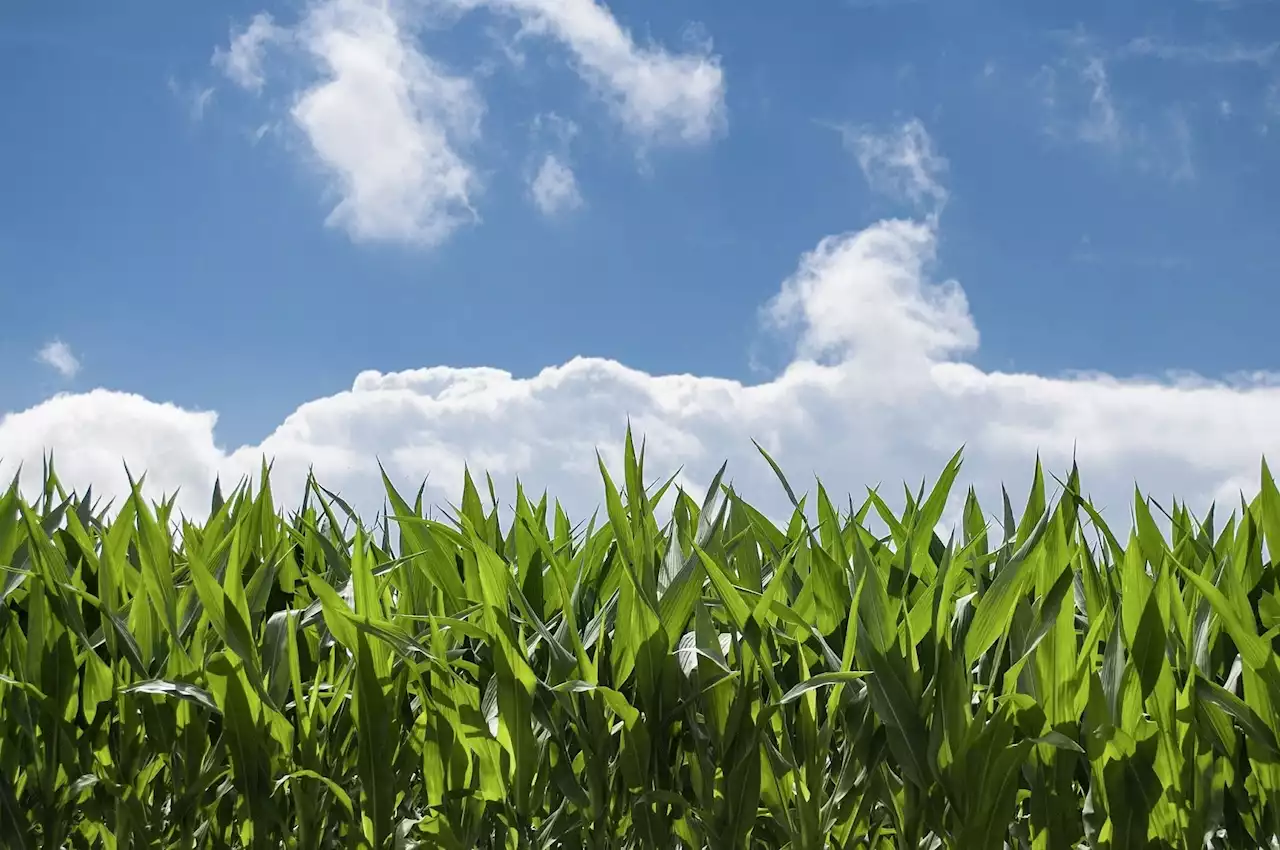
column 297, row 679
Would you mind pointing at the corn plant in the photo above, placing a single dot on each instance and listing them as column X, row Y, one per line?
column 510, row 679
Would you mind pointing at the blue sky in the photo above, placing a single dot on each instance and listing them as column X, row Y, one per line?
column 169, row 218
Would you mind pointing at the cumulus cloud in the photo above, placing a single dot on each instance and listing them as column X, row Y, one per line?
column 865, row 297
column 659, row 95
column 390, row 126
column 887, row 408
column 554, row 188
column 878, row 391
column 58, row 356
column 242, row 59
column 173, row 446
column 385, row 122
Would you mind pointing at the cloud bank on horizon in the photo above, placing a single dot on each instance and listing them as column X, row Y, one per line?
column 880, row 385
column 876, row 392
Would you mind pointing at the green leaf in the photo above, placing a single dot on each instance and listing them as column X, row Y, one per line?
column 995, row 607
column 175, row 690
column 822, row 680
column 1059, row 741
column 1258, row 735
column 1253, row 650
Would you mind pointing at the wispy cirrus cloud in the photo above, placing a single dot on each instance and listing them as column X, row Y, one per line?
column 1076, row 91
column 242, row 60
column 901, row 163
column 1081, row 105
column 196, row 98
column 1216, row 53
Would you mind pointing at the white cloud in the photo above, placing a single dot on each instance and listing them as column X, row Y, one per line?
column 555, row 128
column 866, row 297
column 554, row 188
column 1101, row 123
column 903, row 163
column 201, row 102
column 390, row 126
column 1082, row 107
column 196, row 98
column 1076, row 91
column 385, row 123
column 58, row 356
column 660, row 96
column 1180, row 162
column 857, row 420
column 877, row 391
column 242, row 60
